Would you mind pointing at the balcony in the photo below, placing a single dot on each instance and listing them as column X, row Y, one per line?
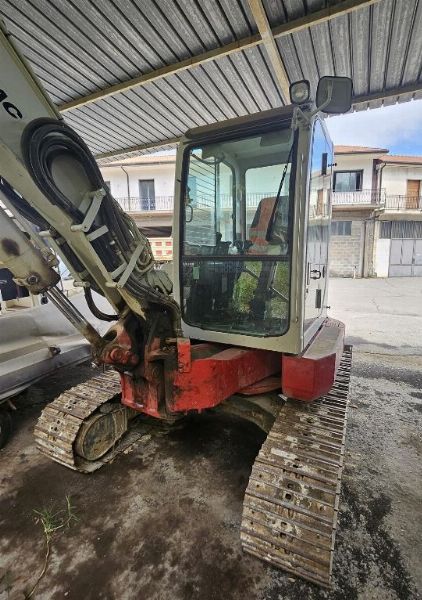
column 359, row 197
column 402, row 203
column 139, row 205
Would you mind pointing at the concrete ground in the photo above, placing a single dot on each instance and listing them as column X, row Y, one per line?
column 162, row 521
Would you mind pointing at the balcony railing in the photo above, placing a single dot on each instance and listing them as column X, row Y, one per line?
column 403, row 202
column 166, row 203
column 135, row 204
column 378, row 198
column 359, row 197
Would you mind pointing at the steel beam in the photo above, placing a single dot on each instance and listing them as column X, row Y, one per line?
column 388, row 94
column 261, row 20
column 315, row 18
column 138, row 148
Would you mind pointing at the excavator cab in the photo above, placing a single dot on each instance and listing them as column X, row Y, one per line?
column 251, row 230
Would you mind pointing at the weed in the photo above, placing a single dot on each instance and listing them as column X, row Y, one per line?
column 51, row 522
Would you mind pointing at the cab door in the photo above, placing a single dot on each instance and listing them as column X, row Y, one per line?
column 318, row 223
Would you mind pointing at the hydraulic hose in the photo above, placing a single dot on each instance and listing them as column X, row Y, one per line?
column 94, row 308
column 43, row 141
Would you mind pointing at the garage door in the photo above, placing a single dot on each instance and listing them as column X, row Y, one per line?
column 405, row 258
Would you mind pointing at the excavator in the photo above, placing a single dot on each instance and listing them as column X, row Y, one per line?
column 240, row 326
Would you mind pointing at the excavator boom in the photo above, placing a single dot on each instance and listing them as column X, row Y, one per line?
column 48, row 176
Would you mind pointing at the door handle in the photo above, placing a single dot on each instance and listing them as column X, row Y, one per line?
column 315, row 274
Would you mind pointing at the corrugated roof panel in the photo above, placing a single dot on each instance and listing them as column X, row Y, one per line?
column 143, row 43
column 41, row 55
column 258, row 59
column 66, row 42
column 340, row 39
column 237, row 83
column 163, row 93
column 220, row 80
column 203, row 79
column 252, row 79
column 80, row 46
column 216, row 20
column 197, row 109
column 413, row 66
column 199, row 24
column 140, row 108
column 105, row 129
column 306, row 55
column 380, row 46
column 290, row 58
column 400, row 34
column 360, row 37
column 321, row 41
column 162, row 105
column 275, row 11
column 158, row 23
column 280, row 11
column 293, row 9
column 107, row 28
column 239, row 15
column 85, row 26
column 203, row 91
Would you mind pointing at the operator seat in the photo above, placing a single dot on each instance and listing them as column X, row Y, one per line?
column 269, row 236
column 259, row 229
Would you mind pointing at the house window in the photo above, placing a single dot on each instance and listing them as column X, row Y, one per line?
column 348, row 181
column 147, row 194
column 341, row 228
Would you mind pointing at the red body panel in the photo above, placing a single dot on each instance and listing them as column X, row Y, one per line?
column 181, row 377
column 311, row 375
column 214, row 379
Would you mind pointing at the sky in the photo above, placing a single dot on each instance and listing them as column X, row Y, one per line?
column 397, row 127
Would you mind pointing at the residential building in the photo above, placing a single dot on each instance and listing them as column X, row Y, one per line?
column 144, row 187
column 376, row 207
column 377, row 214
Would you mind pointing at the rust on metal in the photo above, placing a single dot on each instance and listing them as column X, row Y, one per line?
column 292, row 499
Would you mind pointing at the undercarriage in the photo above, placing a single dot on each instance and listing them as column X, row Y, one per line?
column 292, row 498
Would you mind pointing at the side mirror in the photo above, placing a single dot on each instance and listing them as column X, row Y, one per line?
column 334, row 94
column 188, row 217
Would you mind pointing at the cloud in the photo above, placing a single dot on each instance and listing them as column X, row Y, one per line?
column 397, row 127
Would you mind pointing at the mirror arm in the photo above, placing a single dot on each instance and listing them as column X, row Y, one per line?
column 299, row 115
column 326, row 103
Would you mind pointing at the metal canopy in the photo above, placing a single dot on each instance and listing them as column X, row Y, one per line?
column 134, row 75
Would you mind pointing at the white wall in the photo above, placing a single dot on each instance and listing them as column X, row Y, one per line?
column 358, row 162
column 394, row 178
column 162, row 174
column 382, row 257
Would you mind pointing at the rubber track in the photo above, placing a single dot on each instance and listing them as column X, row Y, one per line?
column 61, row 420
column 292, row 499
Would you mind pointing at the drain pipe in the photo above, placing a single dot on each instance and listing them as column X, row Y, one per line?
column 362, row 266
column 127, row 186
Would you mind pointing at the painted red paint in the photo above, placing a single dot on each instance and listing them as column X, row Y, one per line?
column 215, row 378
column 311, row 375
